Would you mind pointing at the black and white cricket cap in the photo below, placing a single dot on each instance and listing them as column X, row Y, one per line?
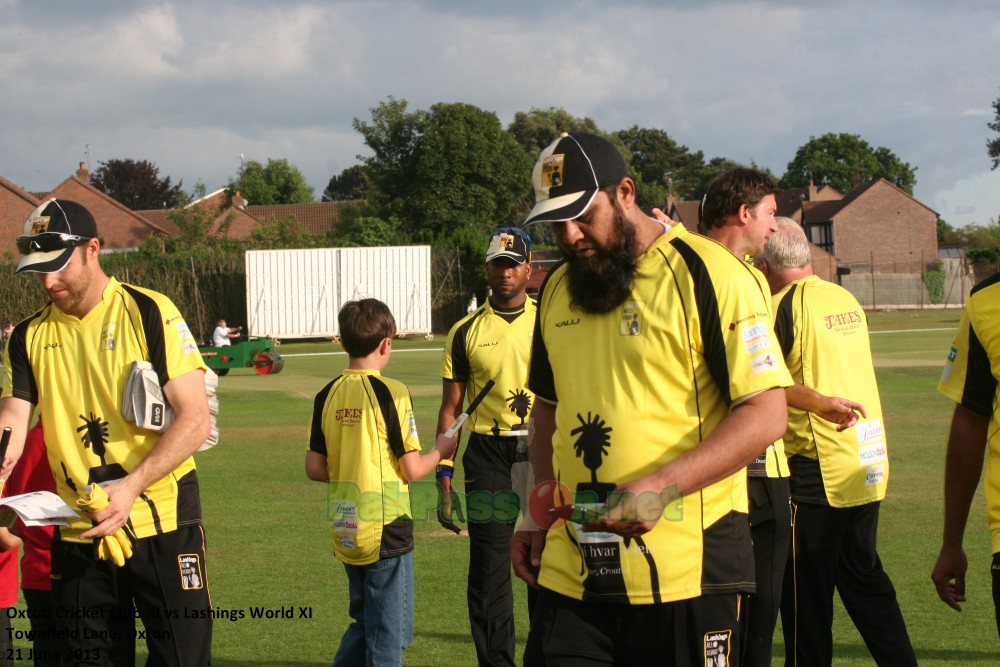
column 568, row 174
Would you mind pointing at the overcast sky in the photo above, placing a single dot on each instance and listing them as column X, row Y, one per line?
column 191, row 85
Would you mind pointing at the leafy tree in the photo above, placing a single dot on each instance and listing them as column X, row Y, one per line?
column 197, row 228
column 352, row 183
column 536, row 129
column 945, row 233
column 993, row 145
column 367, row 231
column 661, row 166
column 447, row 175
column 392, row 135
column 136, row 184
column 277, row 182
column 837, row 159
column 271, row 233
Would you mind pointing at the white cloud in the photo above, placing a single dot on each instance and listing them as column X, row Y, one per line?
column 971, row 200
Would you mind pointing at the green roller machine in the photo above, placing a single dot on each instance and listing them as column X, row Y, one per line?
column 260, row 354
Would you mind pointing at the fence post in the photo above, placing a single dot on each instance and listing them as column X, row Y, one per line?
column 871, row 270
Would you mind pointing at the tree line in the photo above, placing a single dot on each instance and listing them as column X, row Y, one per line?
column 447, row 175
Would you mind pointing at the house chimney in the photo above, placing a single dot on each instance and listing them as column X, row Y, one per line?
column 239, row 202
column 812, row 190
column 83, row 173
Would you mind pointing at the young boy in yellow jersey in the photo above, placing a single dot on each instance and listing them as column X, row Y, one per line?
column 363, row 443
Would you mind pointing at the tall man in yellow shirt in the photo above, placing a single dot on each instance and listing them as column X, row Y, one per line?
column 738, row 212
column 141, row 540
column 656, row 385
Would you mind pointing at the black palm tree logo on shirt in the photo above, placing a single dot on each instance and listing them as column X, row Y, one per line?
column 593, row 442
column 520, row 403
column 95, row 435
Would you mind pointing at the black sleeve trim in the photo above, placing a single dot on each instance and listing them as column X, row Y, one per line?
column 151, row 329
column 393, row 429
column 708, row 311
column 784, row 322
column 540, row 379
column 22, row 374
column 980, row 385
column 460, row 370
column 317, row 439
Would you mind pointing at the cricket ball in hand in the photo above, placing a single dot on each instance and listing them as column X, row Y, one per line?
column 545, row 496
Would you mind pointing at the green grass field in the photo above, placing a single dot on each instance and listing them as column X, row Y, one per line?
column 269, row 547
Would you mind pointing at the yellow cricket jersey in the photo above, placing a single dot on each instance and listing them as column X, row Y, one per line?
column 636, row 388
column 972, row 377
column 772, row 463
column 823, row 332
column 75, row 371
column 363, row 423
column 492, row 345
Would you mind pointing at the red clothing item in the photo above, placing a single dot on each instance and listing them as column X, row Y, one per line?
column 8, row 578
column 32, row 473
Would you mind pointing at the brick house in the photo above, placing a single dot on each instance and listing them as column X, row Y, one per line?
column 876, row 227
column 15, row 205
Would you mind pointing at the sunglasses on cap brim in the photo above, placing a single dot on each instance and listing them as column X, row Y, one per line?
column 48, row 241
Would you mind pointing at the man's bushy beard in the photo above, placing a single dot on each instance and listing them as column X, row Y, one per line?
column 601, row 282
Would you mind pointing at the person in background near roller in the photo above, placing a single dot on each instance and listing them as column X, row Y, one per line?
column 491, row 343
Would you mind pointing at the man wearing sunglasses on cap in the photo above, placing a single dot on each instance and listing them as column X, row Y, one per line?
column 139, row 538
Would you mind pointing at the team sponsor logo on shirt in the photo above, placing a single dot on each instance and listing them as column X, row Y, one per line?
column 345, row 522
column 842, row 319
column 717, row 648
column 755, row 338
column 631, row 319
column 869, row 431
column 108, row 332
column 192, row 578
column 412, row 422
column 349, row 416
column 952, row 354
column 875, row 474
column 184, row 331
column 874, row 453
column 190, row 347
column 763, row 363
column 568, row 323
column 749, row 318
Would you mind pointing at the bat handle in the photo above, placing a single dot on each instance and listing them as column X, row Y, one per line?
column 453, row 429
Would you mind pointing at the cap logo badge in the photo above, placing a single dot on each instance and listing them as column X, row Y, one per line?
column 552, row 170
column 507, row 241
column 40, row 224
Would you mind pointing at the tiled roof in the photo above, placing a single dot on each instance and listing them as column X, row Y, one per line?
column 687, row 213
column 821, row 211
column 315, row 218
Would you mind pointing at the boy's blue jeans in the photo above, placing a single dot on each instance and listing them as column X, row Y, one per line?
column 382, row 608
